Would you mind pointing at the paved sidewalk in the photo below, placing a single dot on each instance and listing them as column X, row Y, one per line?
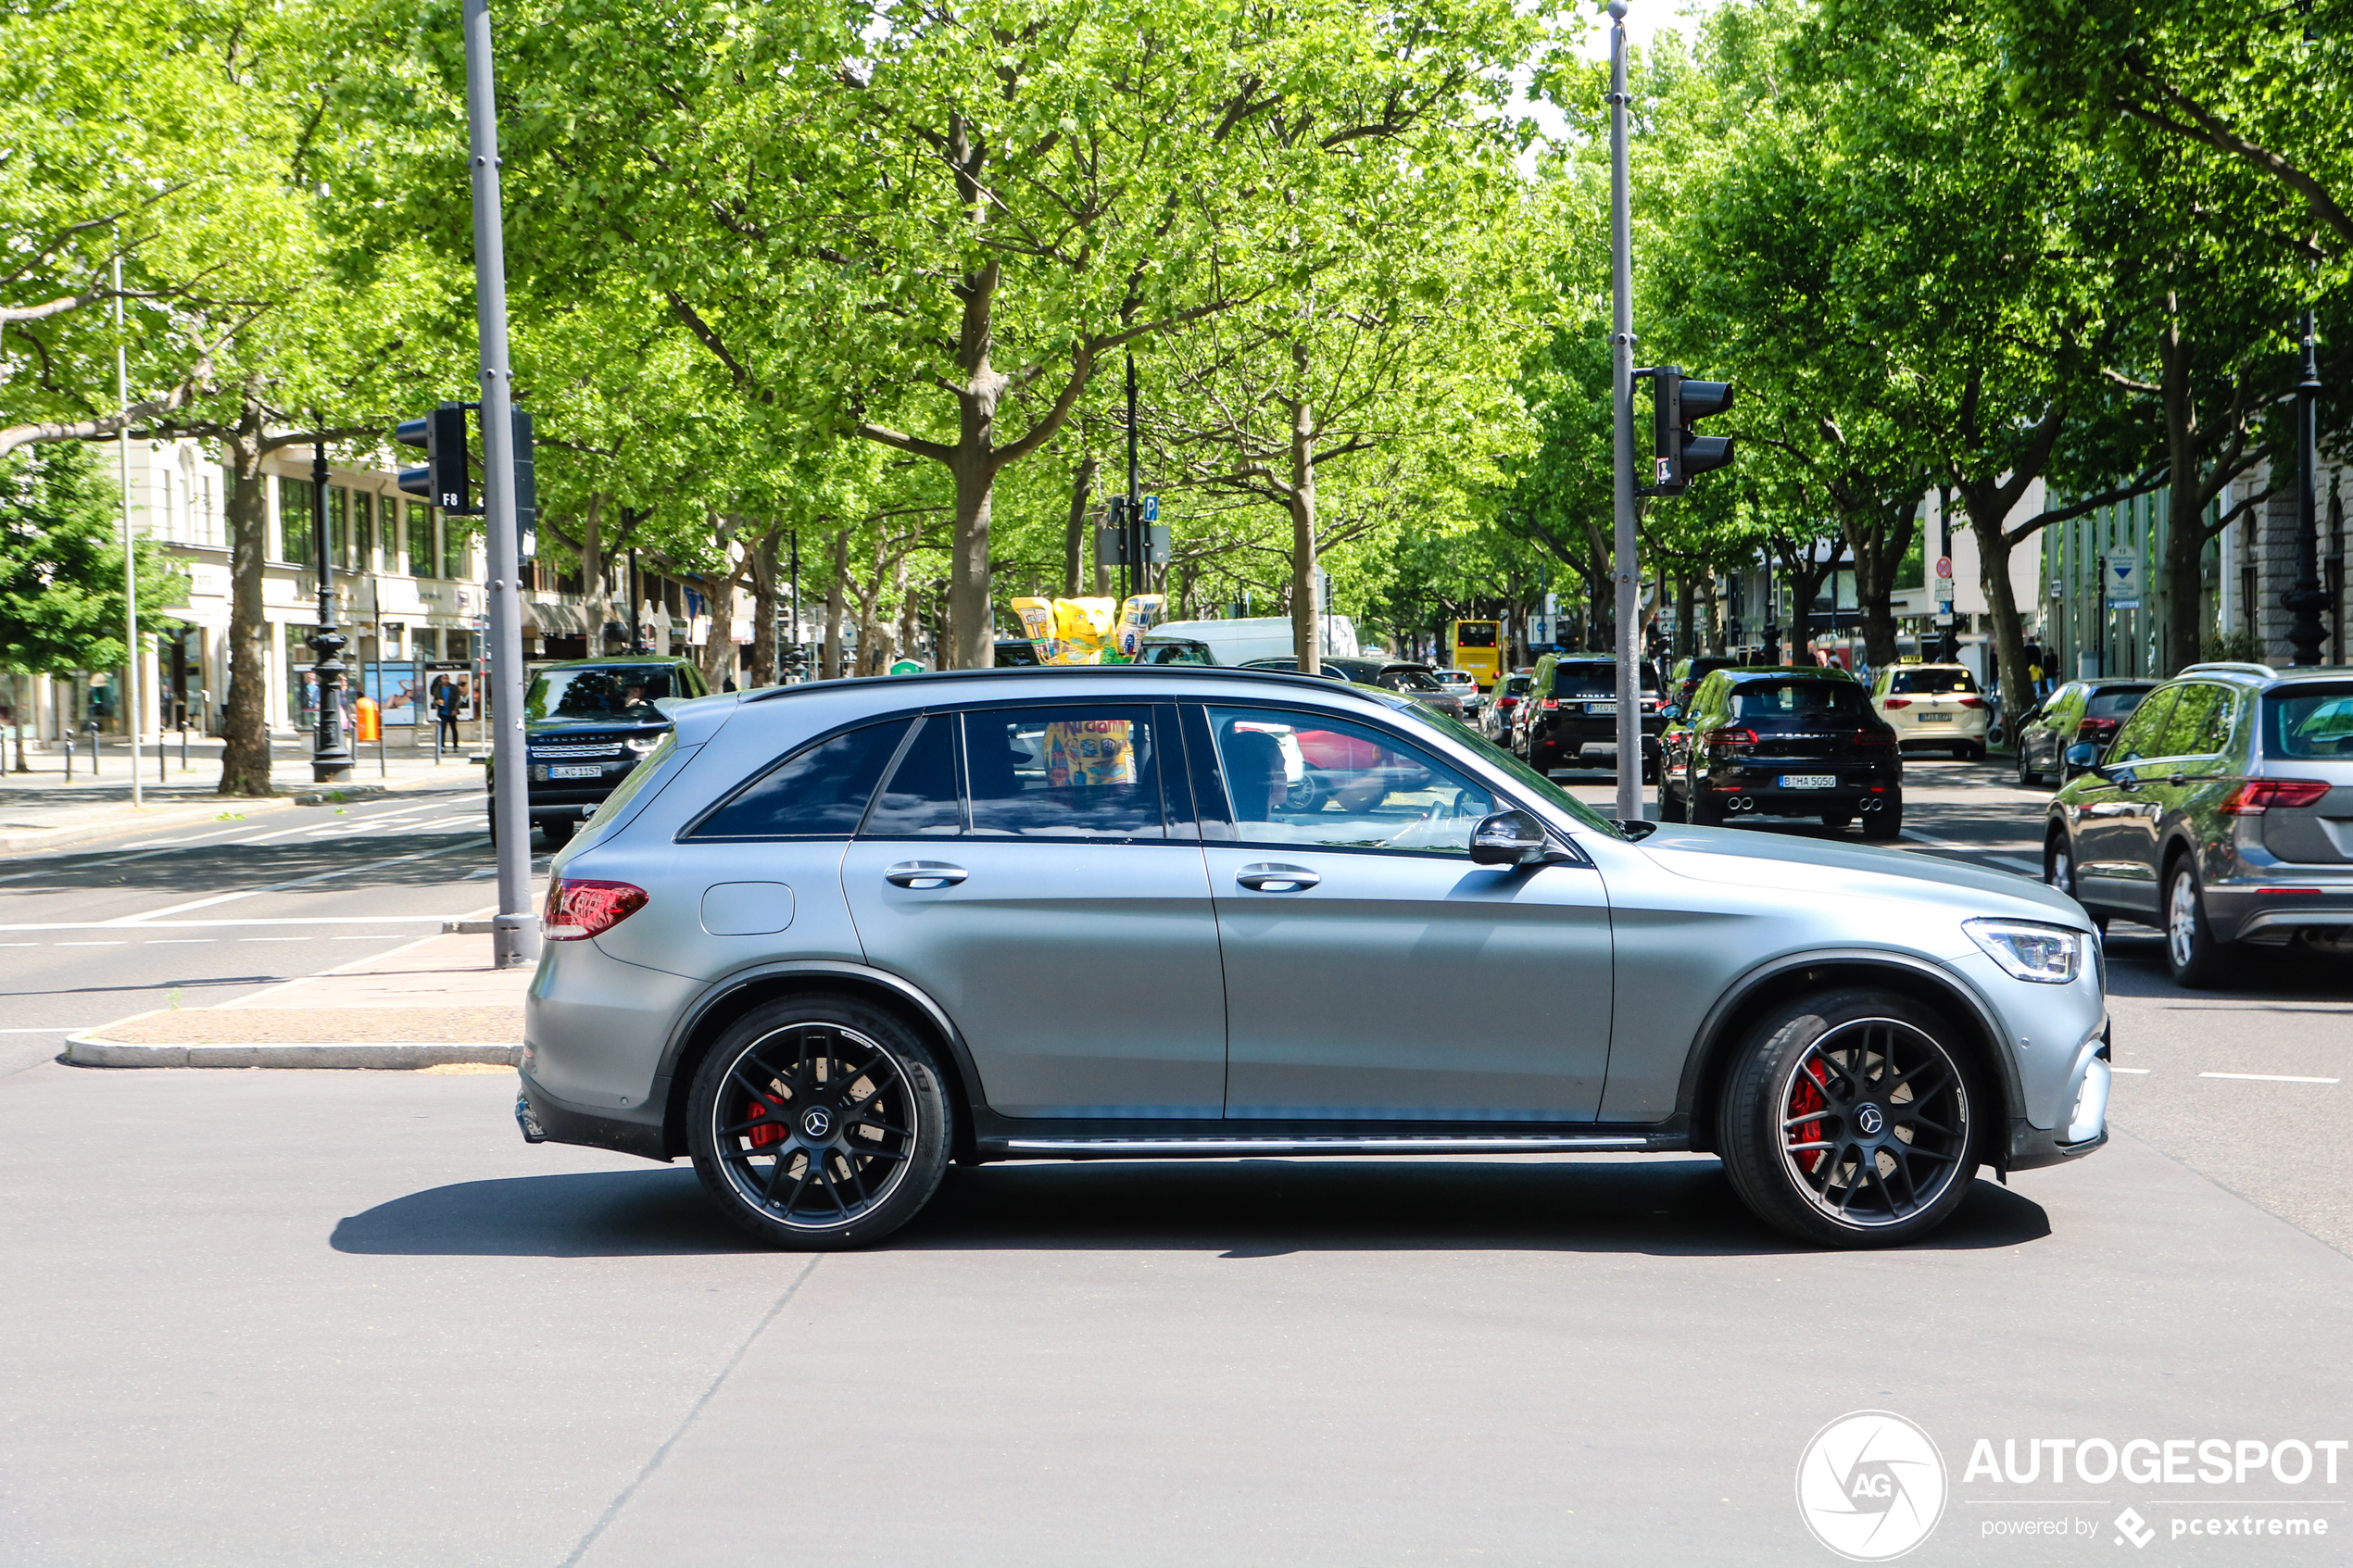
column 433, row 1002
column 43, row 810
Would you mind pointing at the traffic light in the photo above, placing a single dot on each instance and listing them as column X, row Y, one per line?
column 526, row 490
column 1676, row 405
column 443, row 481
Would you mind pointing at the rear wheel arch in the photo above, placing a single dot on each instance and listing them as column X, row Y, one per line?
column 1727, row 1028
column 721, row 1010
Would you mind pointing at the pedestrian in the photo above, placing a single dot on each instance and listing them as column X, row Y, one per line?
column 446, row 707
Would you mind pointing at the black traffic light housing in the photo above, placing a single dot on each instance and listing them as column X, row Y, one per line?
column 1681, row 452
column 445, row 480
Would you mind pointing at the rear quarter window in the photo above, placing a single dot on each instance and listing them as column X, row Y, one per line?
column 820, row 791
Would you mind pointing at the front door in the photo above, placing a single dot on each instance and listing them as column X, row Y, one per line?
column 1372, row 972
column 1022, row 865
column 2116, row 825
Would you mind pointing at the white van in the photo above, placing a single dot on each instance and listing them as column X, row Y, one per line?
column 1238, row 642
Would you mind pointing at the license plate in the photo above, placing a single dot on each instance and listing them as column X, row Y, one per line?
column 590, row 772
column 1936, row 718
column 1600, row 708
column 1810, row 781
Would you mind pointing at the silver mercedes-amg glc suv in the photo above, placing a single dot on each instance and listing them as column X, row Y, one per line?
column 830, row 936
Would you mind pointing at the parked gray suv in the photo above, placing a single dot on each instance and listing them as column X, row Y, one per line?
column 2222, row 811
column 830, row 936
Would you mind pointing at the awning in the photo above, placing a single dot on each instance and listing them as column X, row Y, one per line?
column 556, row 618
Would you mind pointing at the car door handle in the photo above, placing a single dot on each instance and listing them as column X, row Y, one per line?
column 1269, row 876
column 924, row 874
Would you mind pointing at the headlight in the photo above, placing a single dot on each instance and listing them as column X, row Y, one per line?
column 641, row 745
column 2030, row 951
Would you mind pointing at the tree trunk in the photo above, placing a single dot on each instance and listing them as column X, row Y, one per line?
column 2181, row 635
column 1082, row 489
column 1879, row 544
column 1993, row 576
column 970, row 616
column 245, row 728
column 829, row 662
column 764, row 607
column 1303, row 535
column 592, row 573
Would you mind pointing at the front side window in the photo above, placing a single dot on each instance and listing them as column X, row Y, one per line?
column 1091, row 773
column 2144, row 732
column 1310, row 781
column 820, row 791
column 2308, row 721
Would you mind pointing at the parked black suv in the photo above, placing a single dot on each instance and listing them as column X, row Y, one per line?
column 1572, row 703
column 1798, row 742
column 586, row 722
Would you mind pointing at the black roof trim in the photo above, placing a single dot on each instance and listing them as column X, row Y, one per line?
column 1037, row 672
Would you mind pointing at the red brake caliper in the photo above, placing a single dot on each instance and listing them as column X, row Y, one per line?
column 769, row 1130
column 1808, row 1097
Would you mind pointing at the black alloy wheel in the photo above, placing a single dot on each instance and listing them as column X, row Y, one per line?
column 819, row 1123
column 1848, row 1121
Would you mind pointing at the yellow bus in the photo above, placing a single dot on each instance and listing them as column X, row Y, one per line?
column 1477, row 650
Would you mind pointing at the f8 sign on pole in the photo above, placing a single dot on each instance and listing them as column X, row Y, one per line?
column 514, row 930
column 1625, row 572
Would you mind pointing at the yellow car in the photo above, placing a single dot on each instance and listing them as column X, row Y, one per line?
column 1935, row 705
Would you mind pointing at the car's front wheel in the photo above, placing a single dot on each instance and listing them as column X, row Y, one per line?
column 819, row 1123
column 1849, row 1120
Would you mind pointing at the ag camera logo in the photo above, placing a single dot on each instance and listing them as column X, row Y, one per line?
column 1870, row 1485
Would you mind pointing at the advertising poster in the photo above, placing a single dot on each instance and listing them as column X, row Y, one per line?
column 397, row 690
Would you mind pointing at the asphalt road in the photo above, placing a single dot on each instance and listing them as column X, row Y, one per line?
column 307, row 1317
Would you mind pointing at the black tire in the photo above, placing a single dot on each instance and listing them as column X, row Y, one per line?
column 1972, row 753
column 1886, row 823
column 1893, row 1148
column 1670, row 805
column 2027, row 777
column 1707, row 811
column 1837, row 822
column 558, row 830
column 2196, row 959
column 1650, row 771
column 782, row 1087
column 2059, row 872
column 493, row 814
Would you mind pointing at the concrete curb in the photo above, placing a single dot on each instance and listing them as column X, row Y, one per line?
column 83, row 1050
column 153, row 819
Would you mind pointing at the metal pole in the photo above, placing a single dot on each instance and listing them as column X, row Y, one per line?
column 1625, row 571
column 2306, row 599
column 330, row 755
column 795, row 536
column 1135, row 578
column 515, row 932
column 130, row 556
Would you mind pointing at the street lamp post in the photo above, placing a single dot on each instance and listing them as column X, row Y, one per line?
column 1625, row 568
column 329, row 754
column 2306, row 599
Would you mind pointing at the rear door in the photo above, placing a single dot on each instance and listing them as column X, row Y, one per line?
column 1035, row 868
column 1372, row 972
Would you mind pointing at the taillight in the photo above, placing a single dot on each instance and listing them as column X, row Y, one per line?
column 1895, row 702
column 2095, row 729
column 578, row 908
column 1728, row 740
column 1873, row 737
column 1550, row 703
column 2256, row 796
column 1972, row 702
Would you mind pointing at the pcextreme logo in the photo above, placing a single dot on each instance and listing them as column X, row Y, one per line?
column 1870, row 1485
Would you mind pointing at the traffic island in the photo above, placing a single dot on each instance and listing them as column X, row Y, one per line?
column 437, row 1002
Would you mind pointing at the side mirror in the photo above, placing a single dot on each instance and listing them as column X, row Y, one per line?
column 1507, row 838
column 2083, row 756
column 1670, row 711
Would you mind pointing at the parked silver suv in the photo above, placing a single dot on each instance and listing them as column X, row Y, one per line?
column 831, row 936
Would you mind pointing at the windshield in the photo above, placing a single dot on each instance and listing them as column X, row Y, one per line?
column 2310, row 722
column 621, row 693
column 1929, row 682
column 1516, row 687
column 1796, row 700
column 2113, row 704
column 1591, row 678
column 1526, row 777
column 1179, row 653
column 1474, row 634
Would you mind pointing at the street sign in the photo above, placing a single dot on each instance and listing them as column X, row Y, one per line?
column 907, row 667
column 1944, row 567
column 2120, row 579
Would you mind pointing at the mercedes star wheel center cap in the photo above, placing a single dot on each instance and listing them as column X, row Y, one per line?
column 1869, row 1119
column 818, row 1122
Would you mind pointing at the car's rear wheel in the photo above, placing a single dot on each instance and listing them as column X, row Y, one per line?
column 2196, row 957
column 1837, row 822
column 2028, row 776
column 1670, row 805
column 558, row 830
column 819, row 1123
column 1707, row 809
column 1850, row 1120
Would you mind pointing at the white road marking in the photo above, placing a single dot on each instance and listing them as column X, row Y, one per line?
column 183, row 908
column 66, row 1030
column 2267, row 1078
column 94, row 944
column 281, row 833
column 2142, row 1071
column 177, row 941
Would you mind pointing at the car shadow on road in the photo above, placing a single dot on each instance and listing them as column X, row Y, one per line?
column 1237, row 1209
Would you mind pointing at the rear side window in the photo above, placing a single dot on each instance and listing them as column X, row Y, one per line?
column 921, row 799
column 818, row 792
column 2309, row 721
column 1796, row 700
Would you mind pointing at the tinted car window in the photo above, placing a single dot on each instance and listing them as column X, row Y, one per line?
column 1515, row 685
column 624, row 692
column 2143, row 731
column 2187, row 722
column 1586, row 679
column 2313, row 721
column 1931, row 683
column 2114, row 704
column 1296, row 779
column 1796, row 700
column 921, row 799
column 818, row 792
column 1063, row 772
column 1410, row 681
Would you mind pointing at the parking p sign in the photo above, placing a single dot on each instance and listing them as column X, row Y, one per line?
column 2120, row 579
